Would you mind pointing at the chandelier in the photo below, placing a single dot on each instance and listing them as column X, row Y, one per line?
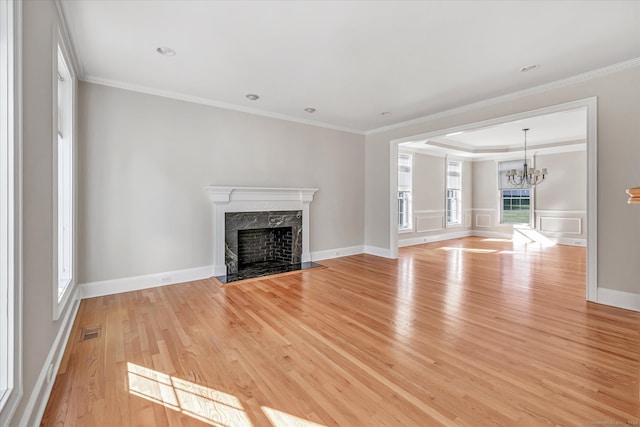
column 527, row 177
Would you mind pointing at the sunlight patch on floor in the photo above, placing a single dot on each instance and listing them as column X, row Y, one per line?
column 203, row 403
column 403, row 310
column 282, row 419
column 471, row 250
column 454, row 275
column 527, row 235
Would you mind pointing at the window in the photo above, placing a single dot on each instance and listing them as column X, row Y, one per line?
column 9, row 274
column 515, row 203
column 516, row 206
column 454, row 192
column 65, row 180
column 405, row 171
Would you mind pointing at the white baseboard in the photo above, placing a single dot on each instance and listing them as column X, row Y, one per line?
column 37, row 403
column 135, row 283
column 492, row 234
column 620, row 299
column 377, row 251
column 559, row 240
column 568, row 241
column 433, row 238
column 335, row 253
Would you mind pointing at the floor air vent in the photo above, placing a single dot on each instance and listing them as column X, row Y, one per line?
column 90, row 333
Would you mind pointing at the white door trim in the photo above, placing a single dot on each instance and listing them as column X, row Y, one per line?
column 590, row 105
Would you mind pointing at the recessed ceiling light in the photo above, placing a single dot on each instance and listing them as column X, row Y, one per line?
column 166, row 51
column 529, row 67
column 310, row 110
column 385, row 113
column 252, row 96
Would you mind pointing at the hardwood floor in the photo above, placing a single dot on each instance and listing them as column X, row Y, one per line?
column 468, row 332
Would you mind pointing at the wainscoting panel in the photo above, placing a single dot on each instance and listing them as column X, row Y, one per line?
column 483, row 220
column 467, row 220
column 560, row 225
column 429, row 221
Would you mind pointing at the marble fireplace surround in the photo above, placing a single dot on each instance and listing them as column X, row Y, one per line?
column 282, row 245
column 255, row 199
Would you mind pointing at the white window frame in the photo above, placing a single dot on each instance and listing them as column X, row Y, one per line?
column 407, row 195
column 501, row 195
column 64, row 176
column 10, row 211
column 501, row 171
column 458, row 220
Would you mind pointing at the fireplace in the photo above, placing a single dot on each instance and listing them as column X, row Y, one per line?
column 262, row 240
column 265, row 246
column 259, row 231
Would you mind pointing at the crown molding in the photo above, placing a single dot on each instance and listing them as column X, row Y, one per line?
column 70, row 48
column 211, row 103
column 579, row 78
column 589, row 75
column 481, row 156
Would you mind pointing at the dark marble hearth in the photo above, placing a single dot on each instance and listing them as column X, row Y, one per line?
column 262, row 269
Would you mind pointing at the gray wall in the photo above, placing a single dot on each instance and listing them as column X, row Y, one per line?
column 618, row 152
column 144, row 160
column 566, row 187
column 38, row 216
column 484, row 184
column 561, row 201
column 429, row 181
column 562, row 198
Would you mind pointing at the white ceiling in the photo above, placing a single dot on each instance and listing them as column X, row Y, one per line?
column 351, row 60
column 554, row 132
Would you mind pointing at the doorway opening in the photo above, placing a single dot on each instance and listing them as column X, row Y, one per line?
column 455, row 143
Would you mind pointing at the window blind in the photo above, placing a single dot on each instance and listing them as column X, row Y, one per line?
column 454, row 172
column 404, row 172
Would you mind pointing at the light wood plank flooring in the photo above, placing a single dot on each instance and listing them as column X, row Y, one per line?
column 468, row 332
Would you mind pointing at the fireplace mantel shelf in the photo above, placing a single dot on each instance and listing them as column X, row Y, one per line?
column 255, row 199
column 225, row 194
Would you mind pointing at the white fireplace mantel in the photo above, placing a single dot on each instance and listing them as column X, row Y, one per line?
column 255, row 199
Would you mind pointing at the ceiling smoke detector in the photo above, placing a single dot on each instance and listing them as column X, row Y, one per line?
column 166, row 51
column 252, row 97
column 529, row 68
column 310, row 110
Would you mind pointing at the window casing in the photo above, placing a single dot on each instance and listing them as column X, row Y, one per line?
column 515, row 203
column 454, row 193
column 9, row 212
column 405, row 184
column 65, row 170
column 5, row 208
